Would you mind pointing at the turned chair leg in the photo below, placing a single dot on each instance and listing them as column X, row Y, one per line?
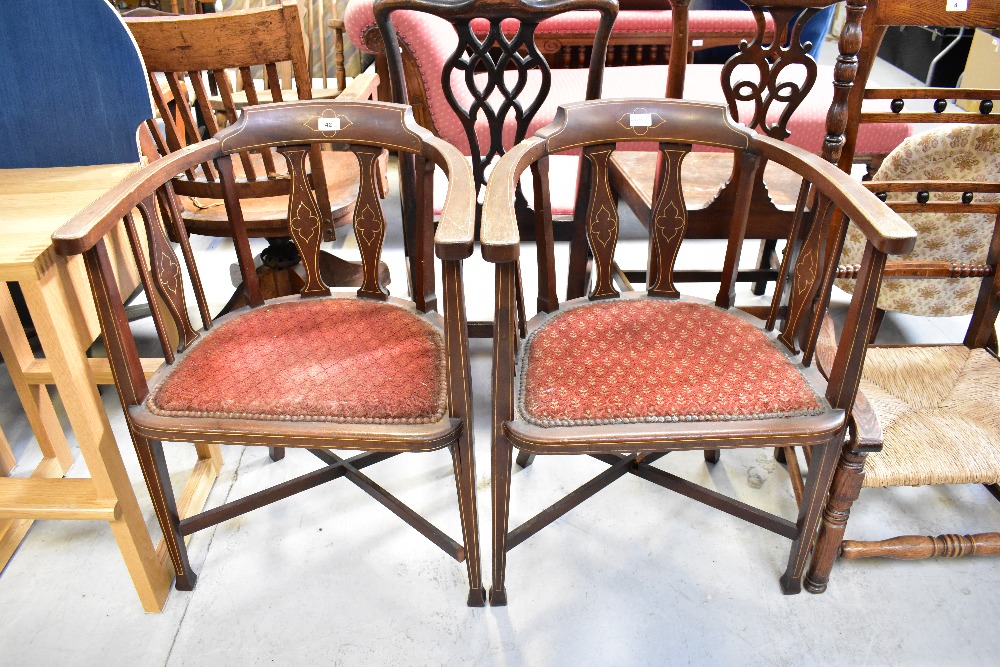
column 823, row 464
column 847, row 483
column 465, row 480
column 154, row 470
column 502, row 451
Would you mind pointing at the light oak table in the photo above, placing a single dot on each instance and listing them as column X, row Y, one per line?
column 33, row 204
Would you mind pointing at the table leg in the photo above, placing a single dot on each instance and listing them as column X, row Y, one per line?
column 52, row 313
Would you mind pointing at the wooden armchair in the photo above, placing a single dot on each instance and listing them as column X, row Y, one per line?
column 392, row 378
column 212, row 50
column 933, row 408
column 629, row 377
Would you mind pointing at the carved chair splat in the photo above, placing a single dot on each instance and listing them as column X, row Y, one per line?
column 398, row 379
column 584, row 382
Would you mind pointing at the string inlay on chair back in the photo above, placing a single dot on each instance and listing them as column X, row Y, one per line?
column 490, row 79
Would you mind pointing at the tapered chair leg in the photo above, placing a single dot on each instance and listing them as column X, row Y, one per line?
column 712, row 455
column 524, row 459
column 465, row 479
column 847, row 483
column 154, row 470
column 822, row 466
column 276, row 453
column 502, row 452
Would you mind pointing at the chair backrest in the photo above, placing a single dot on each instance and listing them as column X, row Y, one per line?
column 944, row 182
column 73, row 100
column 487, row 80
column 200, row 51
column 676, row 126
column 365, row 128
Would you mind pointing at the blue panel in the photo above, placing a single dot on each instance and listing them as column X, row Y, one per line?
column 72, row 85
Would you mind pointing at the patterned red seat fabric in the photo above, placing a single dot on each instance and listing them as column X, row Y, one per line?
column 635, row 361
column 362, row 362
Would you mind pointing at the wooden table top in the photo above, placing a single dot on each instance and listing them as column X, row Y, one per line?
column 34, row 203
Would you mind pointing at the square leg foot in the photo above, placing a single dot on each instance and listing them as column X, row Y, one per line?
column 186, row 583
column 477, row 597
column 790, row 586
column 498, row 598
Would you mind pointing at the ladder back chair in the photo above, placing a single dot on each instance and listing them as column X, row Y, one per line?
column 215, row 51
column 629, row 377
column 772, row 85
column 493, row 87
column 932, row 409
column 394, row 378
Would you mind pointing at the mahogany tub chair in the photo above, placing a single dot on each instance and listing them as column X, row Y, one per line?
column 392, row 378
column 629, row 377
column 214, row 50
column 933, row 409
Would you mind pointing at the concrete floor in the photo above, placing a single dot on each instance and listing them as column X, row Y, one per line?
column 636, row 575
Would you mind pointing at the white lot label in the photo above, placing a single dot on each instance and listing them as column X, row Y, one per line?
column 957, row 5
column 640, row 119
column 697, row 42
column 329, row 124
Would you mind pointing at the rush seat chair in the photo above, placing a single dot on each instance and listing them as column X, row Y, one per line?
column 361, row 370
column 932, row 409
column 628, row 377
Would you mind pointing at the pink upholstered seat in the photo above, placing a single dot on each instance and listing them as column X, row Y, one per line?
column 643, row 360
column 735, row 23
column 356, row 362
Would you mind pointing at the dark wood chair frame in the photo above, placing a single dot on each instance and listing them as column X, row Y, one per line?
column 494, row 55
column 796, row 310
column 868, row 21
column 367, row 128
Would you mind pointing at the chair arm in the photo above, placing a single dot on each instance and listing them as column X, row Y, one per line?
column 883, row 228
column 86, row 228
column 362, row 87
column 499, row 236
column 457, row 225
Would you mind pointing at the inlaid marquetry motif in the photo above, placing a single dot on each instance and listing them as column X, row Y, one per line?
column 640, row 121
column 669, row 223
column 807, row 275
column 165, row 270
column 369, row 222
column 328, row 123
column 304, row 220
column 501, row 65
column 602, row 221
column 784, row 73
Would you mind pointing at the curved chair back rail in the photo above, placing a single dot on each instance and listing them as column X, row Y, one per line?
column 397, row 379
column 377, row 124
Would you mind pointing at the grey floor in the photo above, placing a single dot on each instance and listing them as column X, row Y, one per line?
column 636, row 575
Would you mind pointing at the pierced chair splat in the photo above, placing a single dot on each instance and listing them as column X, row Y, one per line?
column 397, row 379
column 628, row 377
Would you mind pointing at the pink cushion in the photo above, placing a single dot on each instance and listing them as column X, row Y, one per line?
column 630, row 361
column 329, row 360
column 724, row 22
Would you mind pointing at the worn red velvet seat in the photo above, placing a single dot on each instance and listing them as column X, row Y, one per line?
column 317, row 371
column 634, row 361
column 341, row 360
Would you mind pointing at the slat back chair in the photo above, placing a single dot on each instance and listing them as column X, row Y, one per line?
column 493, row 85
column 932, row 408
column 776, row 87
column 629, row 377
column 201, row 53
column 395, row 379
